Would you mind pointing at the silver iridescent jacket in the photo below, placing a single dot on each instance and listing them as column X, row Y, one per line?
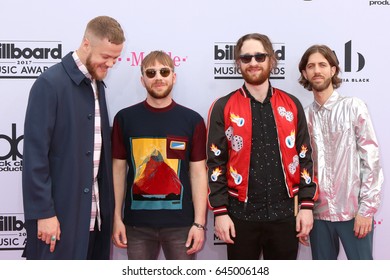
column 346, row 159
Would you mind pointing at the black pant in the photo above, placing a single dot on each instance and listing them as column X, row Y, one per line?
column 95, row 243
column 276, row 240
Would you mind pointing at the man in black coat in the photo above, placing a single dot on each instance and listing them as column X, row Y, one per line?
column 67, row 172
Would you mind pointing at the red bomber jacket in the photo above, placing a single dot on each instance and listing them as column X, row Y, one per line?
column 229, row 148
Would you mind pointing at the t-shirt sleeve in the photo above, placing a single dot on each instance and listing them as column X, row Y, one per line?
column 198, row 151
column 118, row 145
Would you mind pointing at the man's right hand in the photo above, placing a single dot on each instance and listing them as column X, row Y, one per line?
column 224, row 228
column 49, row 231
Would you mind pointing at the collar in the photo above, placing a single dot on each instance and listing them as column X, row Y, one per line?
column 159, row 110
column 81, row 66
column 246, row 93
column 329, row 104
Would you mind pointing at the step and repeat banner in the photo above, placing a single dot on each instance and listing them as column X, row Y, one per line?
column 200, row 37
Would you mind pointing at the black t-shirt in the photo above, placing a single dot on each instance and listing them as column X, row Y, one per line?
column 158, row 145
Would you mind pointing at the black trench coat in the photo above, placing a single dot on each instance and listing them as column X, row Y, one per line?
column 58, row 162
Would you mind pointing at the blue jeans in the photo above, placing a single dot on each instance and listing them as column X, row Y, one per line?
column 325, row 240
column 144, row 243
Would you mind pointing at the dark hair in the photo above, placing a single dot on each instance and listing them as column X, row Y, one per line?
column 259, row 37
column 329, row 55
column 105, row 27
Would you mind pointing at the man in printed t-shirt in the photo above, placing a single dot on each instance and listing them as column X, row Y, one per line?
column 163, row 145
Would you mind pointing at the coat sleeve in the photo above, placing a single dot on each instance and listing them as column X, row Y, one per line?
column 217, row 158
column 308, row 188
column 38, row 127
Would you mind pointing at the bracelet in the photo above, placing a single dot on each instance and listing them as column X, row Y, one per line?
column 199, row 226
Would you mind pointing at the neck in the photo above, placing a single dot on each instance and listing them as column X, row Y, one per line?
column 259, row 92
column 322, row 96
column 81, row 56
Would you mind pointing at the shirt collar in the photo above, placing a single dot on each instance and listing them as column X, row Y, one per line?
column 267, row 98
column 329, row 103
column 81, row 66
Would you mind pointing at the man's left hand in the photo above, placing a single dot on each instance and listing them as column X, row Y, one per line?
column 304, row 224
column 362, row 226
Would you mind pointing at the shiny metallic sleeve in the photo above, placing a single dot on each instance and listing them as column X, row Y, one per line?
column 371, row 171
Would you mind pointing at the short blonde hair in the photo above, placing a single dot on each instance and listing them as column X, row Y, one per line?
column 105, row 27
column 157, row 56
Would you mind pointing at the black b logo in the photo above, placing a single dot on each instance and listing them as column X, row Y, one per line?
column 13, row 142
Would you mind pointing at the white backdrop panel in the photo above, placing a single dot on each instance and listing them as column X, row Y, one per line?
column 192, row 31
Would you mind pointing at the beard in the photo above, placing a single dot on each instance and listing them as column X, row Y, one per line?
column 258, row 78
column 92, row 70
column 159, row 94
column 321, row 87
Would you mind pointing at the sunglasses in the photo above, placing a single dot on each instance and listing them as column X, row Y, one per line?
column 151, row 73
column 259, row 57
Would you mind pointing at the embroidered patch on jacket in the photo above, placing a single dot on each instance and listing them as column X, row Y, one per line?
column 303, row 152
column 216, row 172
column 290, row 140
column 215, row 150
column 292, row 167
column 236, row 177
column 305, row 175
column 237, row 119
column 286, row 114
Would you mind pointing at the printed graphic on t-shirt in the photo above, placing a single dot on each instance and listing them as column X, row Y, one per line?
column 156, row 183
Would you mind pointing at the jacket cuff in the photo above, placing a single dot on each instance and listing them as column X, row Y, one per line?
column 307, row 204
column 218, row 211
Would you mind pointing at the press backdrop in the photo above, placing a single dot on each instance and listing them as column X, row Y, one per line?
column 200, row 36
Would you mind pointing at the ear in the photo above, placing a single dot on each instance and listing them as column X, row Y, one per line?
column 86, row 44
column 333, row 70
column 304, row 74
column 142, row 81
column 272, row 64
column 238, row 64
column 174, row 78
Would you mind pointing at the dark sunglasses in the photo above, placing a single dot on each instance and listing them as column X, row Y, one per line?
column 151, row 73
column 259, row 57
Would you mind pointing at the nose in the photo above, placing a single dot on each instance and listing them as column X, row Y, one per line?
column 253, row 61
column 158, row 75
column 110, row 62
column 316, row 69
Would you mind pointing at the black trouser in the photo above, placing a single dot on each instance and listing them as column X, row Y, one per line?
column 94, row 246
column 276, row 240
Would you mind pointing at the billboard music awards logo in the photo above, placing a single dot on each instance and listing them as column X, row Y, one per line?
column 218, row 241
column 224, row 61
column 27, row 59
column 10, row 155
column 12, row 232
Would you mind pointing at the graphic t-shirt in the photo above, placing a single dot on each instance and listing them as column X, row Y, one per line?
column 158, row 145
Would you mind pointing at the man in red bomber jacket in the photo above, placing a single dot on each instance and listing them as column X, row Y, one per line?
column 259, row 159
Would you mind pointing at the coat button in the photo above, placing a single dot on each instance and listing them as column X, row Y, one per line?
column 88, row 153
column 89, row 116
column 86, row 190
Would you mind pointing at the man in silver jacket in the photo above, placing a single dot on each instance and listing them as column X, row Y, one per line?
column 346, row 161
